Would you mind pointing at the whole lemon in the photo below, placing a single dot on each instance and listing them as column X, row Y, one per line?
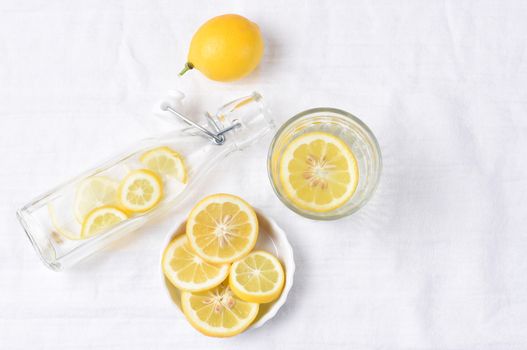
column 225, row 48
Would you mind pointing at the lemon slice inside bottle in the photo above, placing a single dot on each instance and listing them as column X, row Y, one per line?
column 318, row 172
column 69, row 229
column 100, row 220
column 94, row 192
column 165, row 161
column 140, row 191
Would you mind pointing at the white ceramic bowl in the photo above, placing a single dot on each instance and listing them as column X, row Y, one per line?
column 272, row 239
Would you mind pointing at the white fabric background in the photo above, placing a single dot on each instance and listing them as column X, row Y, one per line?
column 437, row 260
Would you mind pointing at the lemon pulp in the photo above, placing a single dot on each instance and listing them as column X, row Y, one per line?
column 259, row 277
column 318, row 172
column 187, row 271
column 218, row 312
column 94, row 192
column 165, row 161
column 101, row 219
column 222, row 228
column 140, row 190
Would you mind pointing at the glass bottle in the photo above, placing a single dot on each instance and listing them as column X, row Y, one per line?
column 50, row 221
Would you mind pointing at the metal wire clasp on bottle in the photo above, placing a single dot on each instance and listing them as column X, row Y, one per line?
column 218, row 136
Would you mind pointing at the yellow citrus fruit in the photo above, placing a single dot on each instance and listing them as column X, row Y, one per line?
column 225, row 48
column 101, row 219
column 94, row 192
column 318, row 172
column 67, row 229
column 187, row 271
column 218, row 312
column 140, row 190
column 222, row 228
column 259, row 277
column 165, row 161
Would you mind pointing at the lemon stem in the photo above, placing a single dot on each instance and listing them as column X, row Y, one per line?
column 188, row 66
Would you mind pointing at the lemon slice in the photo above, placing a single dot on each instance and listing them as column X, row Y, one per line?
column 101, row 219
column 258, row 278
column 165, row 161
column 318, row 172
column 188, row 271
column 218, row 312
column 222, row 228
column 94, row 192
column 140, row 190
column 62, row 228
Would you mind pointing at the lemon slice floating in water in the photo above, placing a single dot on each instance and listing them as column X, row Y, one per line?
column 318, row 172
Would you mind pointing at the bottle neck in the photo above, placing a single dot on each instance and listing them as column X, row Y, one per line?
column 248, row 118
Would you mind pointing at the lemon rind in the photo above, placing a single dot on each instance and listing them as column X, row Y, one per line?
column 261, row 298
column 88, row 219
column 219, row 332
column 290, row 192
column 201, row 205
column 137, row 209
column 165, row 149
column 189, row 286
column 83, row 185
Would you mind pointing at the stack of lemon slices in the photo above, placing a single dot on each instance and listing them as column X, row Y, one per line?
column 222, row 282
column 101, row 202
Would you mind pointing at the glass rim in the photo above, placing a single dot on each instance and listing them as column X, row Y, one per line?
column 295, row 118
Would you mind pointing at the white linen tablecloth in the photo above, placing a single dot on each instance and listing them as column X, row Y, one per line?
column 438, row 258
